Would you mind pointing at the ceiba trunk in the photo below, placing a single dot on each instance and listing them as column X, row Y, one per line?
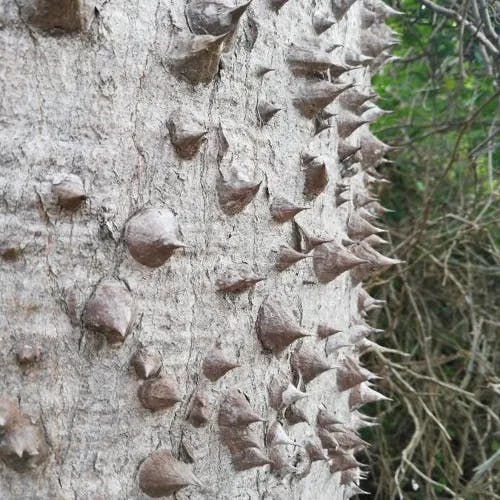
column 113, row 110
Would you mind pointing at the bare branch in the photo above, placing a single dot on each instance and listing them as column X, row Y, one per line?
column 490, row 47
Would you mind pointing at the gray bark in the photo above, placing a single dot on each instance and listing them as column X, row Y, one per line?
column 96, row 104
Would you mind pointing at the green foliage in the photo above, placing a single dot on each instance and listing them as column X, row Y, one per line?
column 442, row 306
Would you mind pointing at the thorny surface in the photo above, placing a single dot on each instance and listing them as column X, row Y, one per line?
column 96, row 105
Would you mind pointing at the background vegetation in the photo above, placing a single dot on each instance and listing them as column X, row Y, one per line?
column 439, row 438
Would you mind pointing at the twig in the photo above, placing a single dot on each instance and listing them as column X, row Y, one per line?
column 468, row 25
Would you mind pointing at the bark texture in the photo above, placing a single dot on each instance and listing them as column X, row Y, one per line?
column 95, row 100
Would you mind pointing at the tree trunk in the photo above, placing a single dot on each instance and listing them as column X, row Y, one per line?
column 124, row 136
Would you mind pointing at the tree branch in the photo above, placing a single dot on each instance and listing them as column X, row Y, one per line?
column 467, row 24
column 483, row 12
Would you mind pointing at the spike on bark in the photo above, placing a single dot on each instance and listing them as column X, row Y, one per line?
column 331, row 260
column 371, row 176
column 264, row 70
column 276, row 436
column 381, row 60
column 161, row 474
column 349, row 476
column 381, row 9
column 295, row 415
column 375, row 262
column 215, row 17
column 287, row 257
column 325, row 419
column 353, row 490
column 366, row 302
column 359, row 228
column 372, row 43
column 345, row 149
column 341, row 188
column 237, row 439
column 200, row 410
column 340, row 7
column 339, row 341
column 373, row 112
column 216, row 364
column 349, row 169
column 359, row 421
column 186, row 133
column 317, row 95
column 321, row 124
column 70, row 191
column 325, row 331
column 360, row 329
column 249, row 458
column 69, row 16
column 340, row 196
column 277, row 4
column 348, row 123
column 340, row 200
column 280, row 463
column 152, row 237
column 366, row 215
column 282, row 210
column 348, row 440
column 265, row 111
column 159, row 393
column 196, row 58
column 327, row 439
column 283, row 393
column 362, row 199
column 341, row 461
column 322, row 22
column 373, row 150
column 375, row 209
column 22, row 444
column 355, row 58
column 110, row 311
column 363, row 394
column 237, row 282
column 375, row 241
column 308, row 61
column 147, row 363
column 308, row 364
column 276, row 328
column 349, row 375
column 312, row 61
column 316, row 452
column 316, row 177
column 367, row 18
column 353, row 99
column 235, row 192
column 235, row 411
column 310, row 241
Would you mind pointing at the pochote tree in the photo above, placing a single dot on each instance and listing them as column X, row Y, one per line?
column 187, row 216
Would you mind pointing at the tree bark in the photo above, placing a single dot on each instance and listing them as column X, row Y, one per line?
column 93, row 98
